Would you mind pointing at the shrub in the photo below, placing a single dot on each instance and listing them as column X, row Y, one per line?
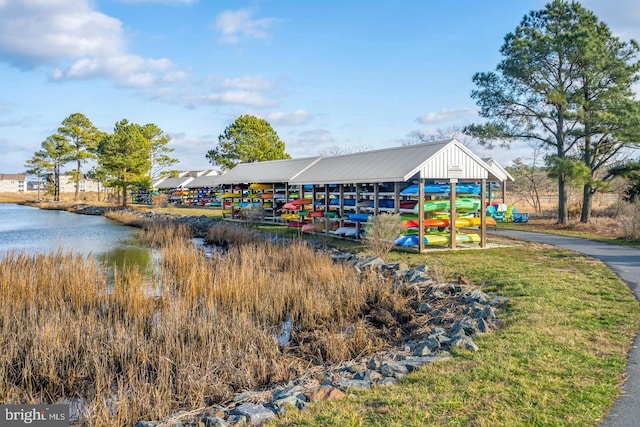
column 383, row 233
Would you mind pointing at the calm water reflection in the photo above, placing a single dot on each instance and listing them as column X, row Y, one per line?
column 33, row 230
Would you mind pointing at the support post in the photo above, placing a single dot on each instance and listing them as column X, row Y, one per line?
column 420, row 215
column 483, row 214
column 452, row 213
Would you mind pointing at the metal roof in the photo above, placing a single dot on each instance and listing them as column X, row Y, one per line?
column 497, row 172
column 168, row 183
column 273, row 171
column 436, row 160
column 205, row 181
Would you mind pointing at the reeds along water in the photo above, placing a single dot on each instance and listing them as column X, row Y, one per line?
column 128, row 354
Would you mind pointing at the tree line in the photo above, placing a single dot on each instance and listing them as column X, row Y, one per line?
column 132, row 155
column 565, row 83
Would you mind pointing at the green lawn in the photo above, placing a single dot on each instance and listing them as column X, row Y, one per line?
column 557, row 357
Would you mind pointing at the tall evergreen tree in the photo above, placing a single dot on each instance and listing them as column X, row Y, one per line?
column 562, row 81
column 159, row 150
column 84, row 138
column 248, row 139
column 124, row 157
column 56, row 152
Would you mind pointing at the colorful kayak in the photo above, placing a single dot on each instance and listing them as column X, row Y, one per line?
column 436, row 239
column 291, row 207
column 445, row 222
column 300, row 202
column 230, row 196
column 311, row 227
column 433, row 222
column 359, row 217
column 290, row 217
column 444, row 205
column 412, row 190
column 257, row 186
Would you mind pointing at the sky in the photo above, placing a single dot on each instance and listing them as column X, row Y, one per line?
column 328, row 75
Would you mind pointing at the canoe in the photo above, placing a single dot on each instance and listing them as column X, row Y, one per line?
column 444, row 205
column 316, row 214
column 266, row 196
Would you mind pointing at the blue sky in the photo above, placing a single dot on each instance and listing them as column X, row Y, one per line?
column 327, row 74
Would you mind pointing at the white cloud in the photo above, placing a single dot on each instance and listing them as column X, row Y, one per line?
column 237, row 97
column 36, row 32
column 236, row 25
column 446, row 115
column 622, row 16
column 248, row 83
column 129, row 70
column 89, row 43
column 178, row 2
column 297, row 117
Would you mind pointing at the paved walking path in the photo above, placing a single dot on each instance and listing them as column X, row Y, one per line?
column 625, row 263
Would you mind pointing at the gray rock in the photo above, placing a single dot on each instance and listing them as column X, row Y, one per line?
column 286, row 392
column 255, row 414
column 374, row 363
column 416, row 276
column 370, row 263
column 476, row 295
column 464, row 342
column 345, row 383
column 298, row 401
column 423, row 349
column 423, row 308
column 394, row 369
column 146, row 424
column 487, row 313
column 237, row 420
column 483, row 326
column 214, row 421
column 367, row 375
column 385, row 381
column 498, row 300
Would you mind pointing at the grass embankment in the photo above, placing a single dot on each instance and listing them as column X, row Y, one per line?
column 204, row 330
column 557, row 358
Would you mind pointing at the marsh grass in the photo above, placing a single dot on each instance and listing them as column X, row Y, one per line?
column 206, row 329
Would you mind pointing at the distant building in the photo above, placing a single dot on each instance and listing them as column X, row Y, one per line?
column 13, row 182
column 68, row 185
column 35, row 185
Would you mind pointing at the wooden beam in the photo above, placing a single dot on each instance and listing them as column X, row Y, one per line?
column 452, row 213
column 483, row 214
column 420, row 215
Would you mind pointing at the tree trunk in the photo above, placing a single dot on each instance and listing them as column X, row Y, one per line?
column 124, row 195
column 77, row 181
column 563, row 211
column 587, row 201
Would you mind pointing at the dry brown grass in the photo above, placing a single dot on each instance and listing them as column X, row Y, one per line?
column 205, row 329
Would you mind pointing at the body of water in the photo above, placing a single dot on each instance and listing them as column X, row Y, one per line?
column 33, row 230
